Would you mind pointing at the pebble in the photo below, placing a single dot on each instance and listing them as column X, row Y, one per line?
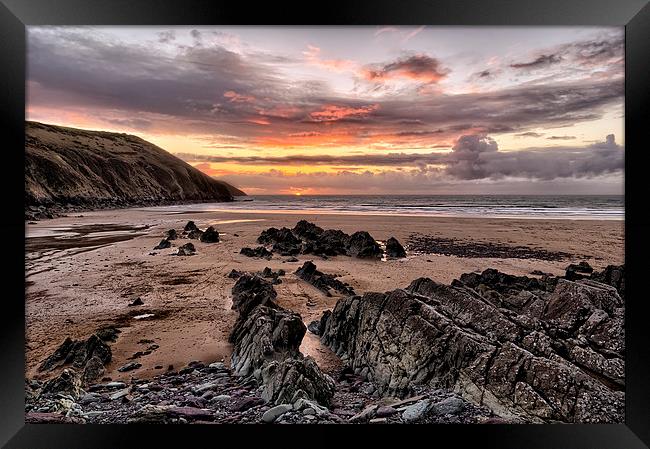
column 450, row 406
column 416, row 411
column 274, row 413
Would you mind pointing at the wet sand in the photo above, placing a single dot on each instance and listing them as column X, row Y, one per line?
column 82, row 272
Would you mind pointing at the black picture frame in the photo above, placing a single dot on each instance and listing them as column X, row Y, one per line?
column 15, row 15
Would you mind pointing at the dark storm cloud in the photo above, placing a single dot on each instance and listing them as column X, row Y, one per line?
column 474, row 156
column 540, row 61
column 422, row 68
column 209, row 89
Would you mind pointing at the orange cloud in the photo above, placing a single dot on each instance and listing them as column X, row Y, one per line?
column 332, row 113
column 234, row 97
column 420, row 68
column 312, row 54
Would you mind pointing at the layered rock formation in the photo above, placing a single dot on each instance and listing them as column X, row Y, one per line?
column 544, row 350
column 266, row 340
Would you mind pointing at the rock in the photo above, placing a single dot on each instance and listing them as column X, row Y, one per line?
column 274, row 413
column 89, row 398
column 164, row 243
column 171, row 234
column 450, row 406
column 365, row 414
column 362, row 245
column 191, row 413
column 93, row 370
column 323, row 282
column 187, row 249
column 296, row 376
column 292, row 259
column 136, row 302
column 119, row 394
column 78, row 353
column 108, row 333
column 385, row 411
column 129, row 367
column 259, row 252
column 243, row 404
column 306, row 230
column 210, row 235
column 190, row 226
column 150, row 414
column 417, row 411
column 378, row 421
column 217, row 366
column 195, row 234
column 251, row 291
column 68, row 382
column 235, row 274
column 539, row 350
column 613, row 275
column 578, row 271
column 221, row 398
column 394, row 249
column 51, row 418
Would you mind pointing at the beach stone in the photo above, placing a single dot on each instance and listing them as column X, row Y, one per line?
column 362, row 245
column 210, row 235
column 68, row 382
column 378, row 421
column 187, row 249
column 259, row 252
column 394, row 249
column 243, row 404
column 385, row 411
column 119, row 394
column 365, row 414
column 221, row 398
column 171, row 234
column 323, row 282
column 136, row 302
column 164, row 243
column 190, row 226
column 416, row 411
column 274, row 413
column 450, row 406
column 129, row 367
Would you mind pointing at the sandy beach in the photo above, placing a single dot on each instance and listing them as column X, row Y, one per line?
column 83, row 271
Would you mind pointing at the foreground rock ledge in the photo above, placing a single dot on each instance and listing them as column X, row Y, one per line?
column 543, row 350
column 266, row 338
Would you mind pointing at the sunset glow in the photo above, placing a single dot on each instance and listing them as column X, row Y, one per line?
column 321, row 110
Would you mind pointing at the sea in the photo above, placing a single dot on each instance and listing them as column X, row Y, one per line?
column 575, row 207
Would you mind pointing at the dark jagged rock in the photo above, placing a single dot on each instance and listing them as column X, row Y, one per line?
column 266, row 340
column 187, row 249
column 331, row 242
column 195, row 234
column 171, row 234
column 93, row 370
column 307, row 231
column 190, row 226
column 68, row 382
column 553, row 353
column 129, row 367
column 613, row 275
column 136, row 302
column 77, row 353
column 394, row 249
column 259, row 252
column 273, row 275
column 362, row 245
column 164, row 243
column 578, row 271
column 235, row 274
column 108, row 333
column 316, row 327
column 323, row 282
column 210, row 235
column 283, row 241
column 251, row 291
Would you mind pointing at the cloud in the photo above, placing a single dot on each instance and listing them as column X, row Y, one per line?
column 419, row 67
column 529, row 134
column 332, row 113
column 472, row 157
column 540, row 61
column 561, row 137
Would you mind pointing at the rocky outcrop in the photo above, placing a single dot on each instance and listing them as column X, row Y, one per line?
column 259, row 252
column 187, row 249
column 323, row 282
column 544, row 350
column 266, row 340
column 210, row 235
column 307, row 238
column 89, row 356
column 72, row 169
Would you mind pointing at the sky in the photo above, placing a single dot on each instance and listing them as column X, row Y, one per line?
column 351, row 110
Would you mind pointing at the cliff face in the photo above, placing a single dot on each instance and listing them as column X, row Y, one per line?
column 72, row 168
